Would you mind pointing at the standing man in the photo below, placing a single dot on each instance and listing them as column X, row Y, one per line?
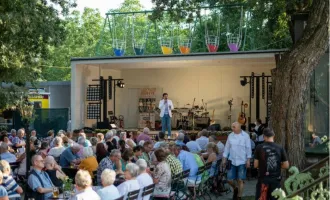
column 238, row 152
column 270, row 158
column 166, row 107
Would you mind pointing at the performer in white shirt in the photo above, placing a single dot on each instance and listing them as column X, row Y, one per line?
column 166, row 107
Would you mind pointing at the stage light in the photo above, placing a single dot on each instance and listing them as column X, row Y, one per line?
column 120, row 84
column 244, row 81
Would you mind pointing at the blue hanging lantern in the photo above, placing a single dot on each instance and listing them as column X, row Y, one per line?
column 118, row 43
column 139, row 44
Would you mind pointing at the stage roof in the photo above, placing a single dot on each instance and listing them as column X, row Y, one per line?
column 264, row 58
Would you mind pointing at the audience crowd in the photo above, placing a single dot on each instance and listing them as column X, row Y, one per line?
column 118, row 162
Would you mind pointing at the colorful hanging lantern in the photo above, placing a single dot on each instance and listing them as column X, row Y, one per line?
column 185, row 45
column 212, row 41
column 139, row 45
column 166, row 44
column 234, row 40
column 118, row 45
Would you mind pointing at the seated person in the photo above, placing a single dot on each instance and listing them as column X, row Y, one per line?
column 188, row 161
column 122, row 146
column 162, row 176
column 4, row 139
column 83, row 183
column 171, row 160
column 69, row 156
column 109, row 162
column 54, row 171
column 13, row 189
column 203, row 139
column 138, row 151
column 179, row 139
column 39, row 181
column 129, row 142
column 109, row 191
column 44, row 148
column 126, row 158
column 58, row 148
column 213, row 156
column 144, row 177
column 161, row 138
column 144, row 135
column 89, row 161
column 3, row 191
column 147, row 150
column 131, row 184
column 192, row 145
column 5, row 155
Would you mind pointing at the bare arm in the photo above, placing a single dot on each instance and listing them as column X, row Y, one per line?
column 4, row 198
column 19, row 190
column 44, row 190
column 256, row 163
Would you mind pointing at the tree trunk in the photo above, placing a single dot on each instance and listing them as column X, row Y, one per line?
column 290, row 82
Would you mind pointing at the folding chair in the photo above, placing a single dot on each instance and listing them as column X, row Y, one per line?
column 120, row 198
column 221, row 179
column 198, row 181
column 133, row 195
column 148, row 190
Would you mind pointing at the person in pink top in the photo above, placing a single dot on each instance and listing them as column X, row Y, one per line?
column 144, row 135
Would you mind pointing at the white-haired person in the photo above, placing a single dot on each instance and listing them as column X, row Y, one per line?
column 131, row 183
column 83, row 184
column 94, row 143
column 144, row 135
column 88, row 161
column 54, row 171
column 109, row 191
column 143, row 178
column 13, row 189
column 58, row 148
column 110, row 142
column 87, row 142
column 3, row 191
column 129, row 142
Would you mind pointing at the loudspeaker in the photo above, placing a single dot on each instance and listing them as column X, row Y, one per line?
column 103, row 125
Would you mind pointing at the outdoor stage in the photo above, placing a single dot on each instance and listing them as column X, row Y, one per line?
column 211, row 77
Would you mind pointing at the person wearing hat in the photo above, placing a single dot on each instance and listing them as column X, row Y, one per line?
column 269, row 158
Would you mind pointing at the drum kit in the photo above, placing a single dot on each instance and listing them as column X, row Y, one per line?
column 185, row 116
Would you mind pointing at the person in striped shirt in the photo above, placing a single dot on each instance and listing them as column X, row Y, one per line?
column 13, row 189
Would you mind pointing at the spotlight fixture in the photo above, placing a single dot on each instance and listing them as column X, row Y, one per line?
column 120, row 84
column 244, row 81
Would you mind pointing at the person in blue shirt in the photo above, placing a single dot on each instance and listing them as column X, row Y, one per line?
column 39, row 181
column 5, row 155
column 69, row 156
column 188, row 161
column 3, row 191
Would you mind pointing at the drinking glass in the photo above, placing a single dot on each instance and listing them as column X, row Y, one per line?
column 56, row 192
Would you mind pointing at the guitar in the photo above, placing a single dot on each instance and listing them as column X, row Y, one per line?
column 212, row 120
column 230, row 103
column 241, row 116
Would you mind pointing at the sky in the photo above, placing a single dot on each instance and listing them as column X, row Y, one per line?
column 105, row 5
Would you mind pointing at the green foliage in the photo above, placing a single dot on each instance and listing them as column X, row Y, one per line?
column 83, row 31
column 27, row 29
